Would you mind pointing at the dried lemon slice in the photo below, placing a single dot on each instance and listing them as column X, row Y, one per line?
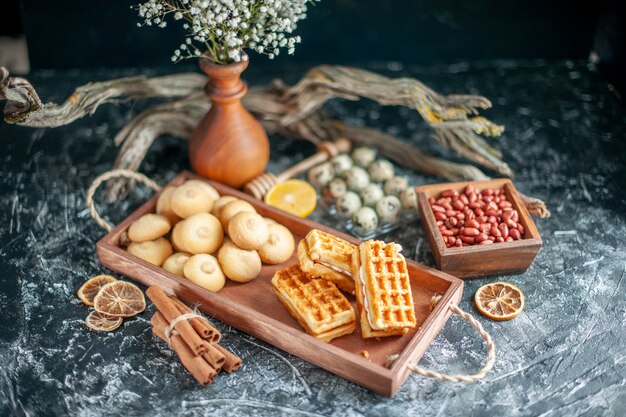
column 499, row 300
column 102, row 322
column 87, row 292
column 293, row 196
column 120, row 299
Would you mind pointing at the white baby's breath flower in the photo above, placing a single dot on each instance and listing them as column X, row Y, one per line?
column 226, row 27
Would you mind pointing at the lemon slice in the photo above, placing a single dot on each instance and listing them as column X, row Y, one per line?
column 499, row 300
column 293, row 196
column 87, row 292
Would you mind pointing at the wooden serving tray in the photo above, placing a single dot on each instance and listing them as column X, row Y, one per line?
column 480, row 260
column 253, row 307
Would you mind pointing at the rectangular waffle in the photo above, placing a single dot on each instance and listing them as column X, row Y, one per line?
column 326, row 256
column 320, row 308
column 383, row 290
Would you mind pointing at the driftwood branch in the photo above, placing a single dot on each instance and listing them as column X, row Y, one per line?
column 292, row 111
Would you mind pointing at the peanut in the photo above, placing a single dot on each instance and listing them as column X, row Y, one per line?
column 474, row 216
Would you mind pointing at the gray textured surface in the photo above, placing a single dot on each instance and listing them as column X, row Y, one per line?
column 565, row 355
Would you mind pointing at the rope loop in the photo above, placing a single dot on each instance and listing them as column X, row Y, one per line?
column 115, row 173
column 490, row 361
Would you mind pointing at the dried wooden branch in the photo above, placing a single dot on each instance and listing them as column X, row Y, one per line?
column 24, row 107
column 294, row 112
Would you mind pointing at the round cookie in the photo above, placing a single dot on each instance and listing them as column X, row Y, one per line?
column 357, row 178
column 371, row 194
column 205, row 271
column 395, row 186
column 279, row 246
column 239, row 264
column 206, row 186
column 381, row 170
column 347, row 204
column 220, row 203
column 176, row 238
column 163, row 206
column 269, row 221
column 189, row 199
column 231, row 209
column 153, row 251
column 149, row 227
column 176, row 263
column 248, row 230
column 200, row 233
column 321, row 174
column 388, row 209
column 341, row 163
column 365, row 220
column 363, row 156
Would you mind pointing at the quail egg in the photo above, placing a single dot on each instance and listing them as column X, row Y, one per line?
column 388, row 209
column 357, row 178
column 371, row 194
column 363, row 156
column 337, row 188
column 321, row 175
column 348, row 204
column 381, row 170
column 365, row 220
column 395, row 186
column 409, row 199
column 341, row 163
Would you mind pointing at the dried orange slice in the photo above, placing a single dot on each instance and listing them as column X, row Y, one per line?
column 102, row 322
column 293, row 196
column 120, row 299
column 499, row 300
column 87, row 292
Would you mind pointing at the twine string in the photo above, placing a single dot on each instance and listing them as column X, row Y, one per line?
column 115, row 173
column 170, row 330
column 491, row 355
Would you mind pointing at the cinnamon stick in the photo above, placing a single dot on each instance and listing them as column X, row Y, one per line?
column 213, row 356
column 232, row 362
column 196, row 365
column 202, row 327
column 170, row 312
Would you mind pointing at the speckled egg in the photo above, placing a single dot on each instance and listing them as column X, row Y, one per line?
column 321, row 175
column 388, row 209
column 337, row 188
column 363, row 156
column 341, row 163
column 395, row 186
column 348, row 204
column 371, row 194
column 357, row 178
column 409, row 199
column 381, row 170
column 365, row 220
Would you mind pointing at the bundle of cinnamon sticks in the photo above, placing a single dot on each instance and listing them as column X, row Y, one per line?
column 194, row 339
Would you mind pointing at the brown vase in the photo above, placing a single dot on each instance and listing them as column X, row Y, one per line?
column 229, row 145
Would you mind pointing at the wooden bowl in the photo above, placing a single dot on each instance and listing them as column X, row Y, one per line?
column 480, row 260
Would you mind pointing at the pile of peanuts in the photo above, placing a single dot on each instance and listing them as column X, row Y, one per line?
column 476, row 217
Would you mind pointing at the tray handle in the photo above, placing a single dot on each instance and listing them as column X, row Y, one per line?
column 491, row 354
column 115, row 173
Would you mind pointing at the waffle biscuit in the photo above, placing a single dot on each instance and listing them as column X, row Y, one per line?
column 383, row 290
column 318, row 306
column 326, row 256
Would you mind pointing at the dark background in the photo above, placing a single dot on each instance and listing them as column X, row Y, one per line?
column 104, row 33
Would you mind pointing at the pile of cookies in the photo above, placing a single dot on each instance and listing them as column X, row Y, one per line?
column 206, row 238
column 364, row 190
